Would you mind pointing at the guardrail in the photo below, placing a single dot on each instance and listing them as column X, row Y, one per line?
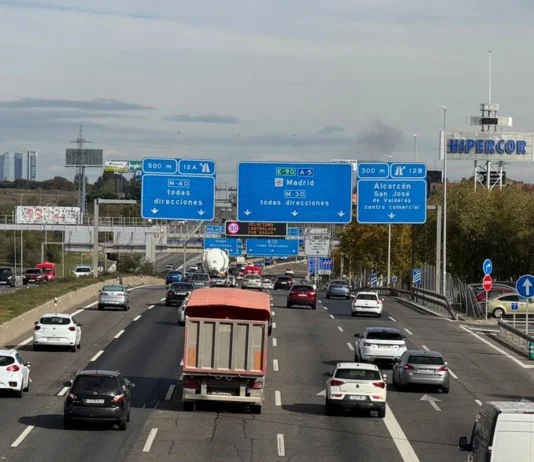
column 432, row 301
column 515, row 337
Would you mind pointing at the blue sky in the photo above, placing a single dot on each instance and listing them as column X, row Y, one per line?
column 257, row 80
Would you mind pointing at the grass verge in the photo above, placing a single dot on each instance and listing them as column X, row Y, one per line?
column 16, row 303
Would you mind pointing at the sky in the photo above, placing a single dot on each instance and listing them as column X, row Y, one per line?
column 240, row 80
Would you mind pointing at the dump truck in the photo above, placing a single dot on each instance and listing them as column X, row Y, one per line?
column 225, row 347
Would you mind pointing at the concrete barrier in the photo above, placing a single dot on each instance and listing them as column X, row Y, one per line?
column 14, row 328
column 514, row 337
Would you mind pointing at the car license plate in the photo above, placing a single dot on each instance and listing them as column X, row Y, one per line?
column 384, row 346
column 284, row 283
column 426, row 371
column 180, row 293
column 221, row 393
column 302, row 295
column 51, row 339
column 94, row 401
column 357, row 398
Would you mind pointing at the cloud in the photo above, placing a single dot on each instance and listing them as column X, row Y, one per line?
column 84, row 105
column 379, row 138
column 203, row 118
column 329, row 129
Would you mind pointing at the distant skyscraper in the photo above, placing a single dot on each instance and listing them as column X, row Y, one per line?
column 6, row 167
column 18, row 166
column 31, row 165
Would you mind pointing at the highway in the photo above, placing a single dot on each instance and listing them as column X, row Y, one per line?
column 146, row 344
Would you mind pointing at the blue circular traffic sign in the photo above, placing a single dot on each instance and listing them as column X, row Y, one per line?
column 487, row 266
column 394, row 279
column 525, row 286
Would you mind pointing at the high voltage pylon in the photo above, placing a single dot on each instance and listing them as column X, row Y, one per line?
column 81, row 164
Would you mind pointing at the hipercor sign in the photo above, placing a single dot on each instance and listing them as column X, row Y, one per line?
column 492, row 146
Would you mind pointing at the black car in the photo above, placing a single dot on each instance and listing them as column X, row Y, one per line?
column 98, row 396
column 283, row 282
column 7, row 277
column 178, row 292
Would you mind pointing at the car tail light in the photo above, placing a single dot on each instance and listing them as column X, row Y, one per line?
column 192, row 383
column 336, row 383
column 118, row 398
column 105, row 293
column 257, row 385
column 71, row 397
column 409, row 367
column 13, row 368
column 488, row 455
column 72, row 328
column 379, row 384
column 37, row 327
column 443, row 369
column 312, row 294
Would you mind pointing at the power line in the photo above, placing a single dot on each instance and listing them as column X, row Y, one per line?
column 81, row 163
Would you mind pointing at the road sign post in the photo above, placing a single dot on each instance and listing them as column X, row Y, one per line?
column 294, row 193
column 487, row 284
column 392, row 193
column 524, row 286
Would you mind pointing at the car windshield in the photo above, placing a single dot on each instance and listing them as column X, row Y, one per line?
column 113, row 289
column 252, row 276
column 174, row 273
column 6, row 361
column 83, row 269
column 366, row 297
column 5, row 270
column 33, row 271
column 384, row 335
column 55, row 321
column 200, row 277
column 182, row 286
column 95, row 382
column 357, row 374
column 424, row 359
column 340, row 283
column 302, row 288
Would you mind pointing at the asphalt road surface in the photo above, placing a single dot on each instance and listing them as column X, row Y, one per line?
column 146, row 344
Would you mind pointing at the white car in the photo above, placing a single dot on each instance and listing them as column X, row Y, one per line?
column 169, row 267
column 193, row 268
column 367, row 303
column 267, row 284
column 82, row 270
column 379, row 343
column 289, row 272
column 251, row 281
column 356, row 386
column 14, row 372
column 181, row 311
column 57, row 330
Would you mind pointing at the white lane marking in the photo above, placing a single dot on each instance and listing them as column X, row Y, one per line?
column 163, row 299
column 150, row 307
column 91, row 305
column 409, row 331
column 22, row 436
column 137, row 318
column 150, row 440
column 332, row 316
column 478, row 402
column 277, row 398
column 281, row 445
column 425, row 347
column 119, row 333
column 319, row 301
column 453, row 374
column 340, row 329
column 350, row 346
column 399, row 438
column 63, row 391
column 169, row 394
column 182, row 362
column 275, row 342
column 432, row 401
column 393, row 319
column 95, row 357
column 25, row 342
column 325, row 307
column 504, row 353
column 273, row 313
column 275, row 365
column 274, row 325
column 76, row 313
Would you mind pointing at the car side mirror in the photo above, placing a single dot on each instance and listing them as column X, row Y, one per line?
column 327, row 374
column 99, row 291
column 131, row 385
column 385, row 378
column 28, row 364
column 80, row 324
column 382, row 299
column 356, row 335
column 463, row 444
column 68, row 383
column 36, row 322
column 446, row 363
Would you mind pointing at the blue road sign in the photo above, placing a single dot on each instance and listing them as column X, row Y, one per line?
column 416, row 276
column 394, row 279
column 272, row 248
column 398, row 198
column 278, row 192
column 525, row 286
column 514, row 306
column 214, row 229
column 178, row 189
column 325, row 265
column 311, row 265
column 292, row 232
column 231, row 244
column 374, row 280
column 487, row 266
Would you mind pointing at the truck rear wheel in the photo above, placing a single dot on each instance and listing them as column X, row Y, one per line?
column 255, row 409
column 189, row 406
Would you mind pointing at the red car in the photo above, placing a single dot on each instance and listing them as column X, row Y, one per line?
column 49, row 271
column 302, row 294
column 495, row 292
column 34, row 275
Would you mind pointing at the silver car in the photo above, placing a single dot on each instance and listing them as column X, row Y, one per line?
column 114, row 295
column 421, row 367
column 252, row 281
column 181, row 311
column 338, row 288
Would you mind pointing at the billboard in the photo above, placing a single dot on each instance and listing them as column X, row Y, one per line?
column 122, row 166
column 239, row 228
column 87, row 157
column 47, row 215
column 487, row 146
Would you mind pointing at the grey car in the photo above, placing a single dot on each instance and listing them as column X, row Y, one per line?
column 252, row 281
column 114, row 295
column 421, row 367
column 338, row 288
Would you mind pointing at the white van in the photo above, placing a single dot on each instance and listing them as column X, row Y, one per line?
column 503, row 432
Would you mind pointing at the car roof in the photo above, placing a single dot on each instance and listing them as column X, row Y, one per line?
column 424, row 353
column 98, row 371
column 382, row 329
column 54, row 315
column 368, row 367
column 366, row 293
column 511, row 407
column 6, row 352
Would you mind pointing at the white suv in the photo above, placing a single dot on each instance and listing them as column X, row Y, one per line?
column 57, row 330
column 367, row 303
column 356, row 386
column 382, row 343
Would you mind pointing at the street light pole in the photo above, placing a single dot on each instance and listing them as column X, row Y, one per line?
column 413, row 226
column 389, row 242
column 21, row 243
column 444, row 247
column 415, row 146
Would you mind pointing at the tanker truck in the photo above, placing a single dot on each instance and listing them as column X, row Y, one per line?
column 216, row 262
